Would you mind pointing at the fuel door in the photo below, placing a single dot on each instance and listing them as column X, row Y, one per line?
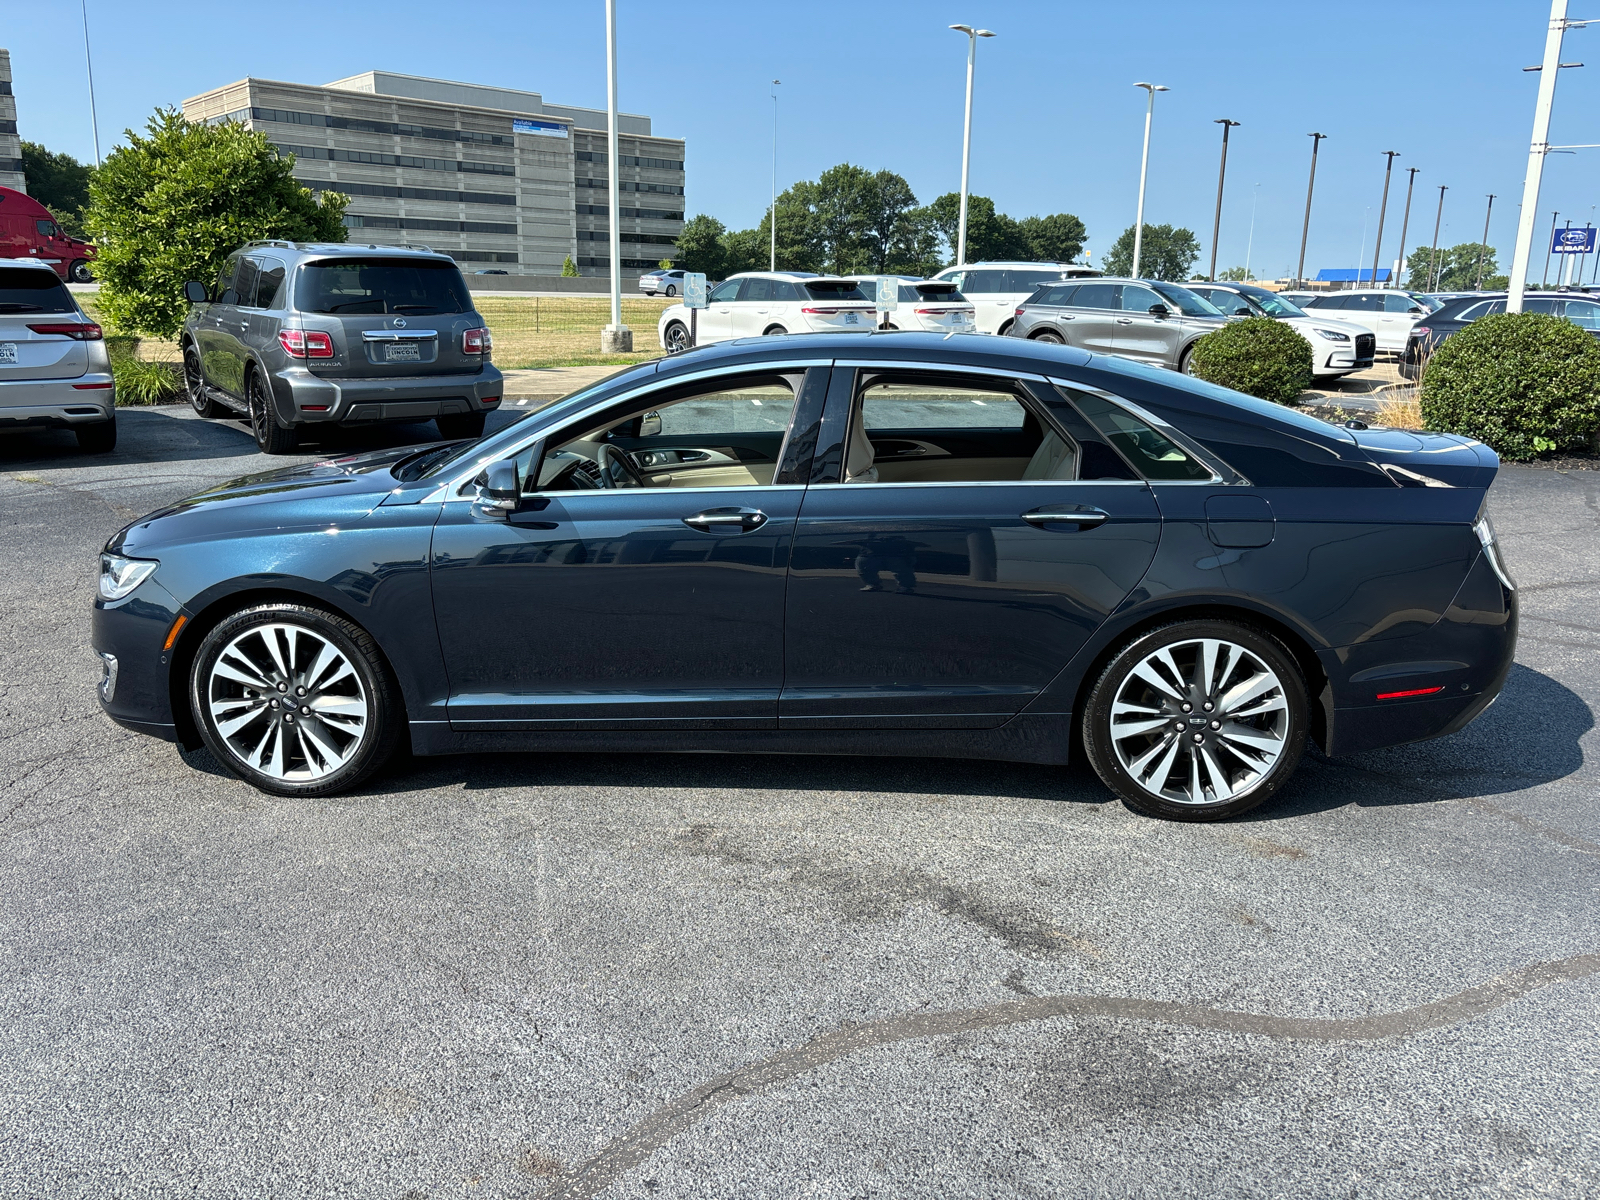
column 1239, row 522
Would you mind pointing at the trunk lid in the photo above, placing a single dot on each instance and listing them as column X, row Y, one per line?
column 1418, row 459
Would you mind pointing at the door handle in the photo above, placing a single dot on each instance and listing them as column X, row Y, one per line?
column 1077, row 514
column 243, row 325
column 1124, row 320
column 741, row 519
column 1066, row 317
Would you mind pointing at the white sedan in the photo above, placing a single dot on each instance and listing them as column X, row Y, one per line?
column 761, row 303
column 932, row 305
column 1337, row 347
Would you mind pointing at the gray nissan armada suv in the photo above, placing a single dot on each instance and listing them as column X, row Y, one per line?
column 294, row 334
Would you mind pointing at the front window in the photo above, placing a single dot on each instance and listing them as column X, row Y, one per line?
column 360, row 286
column 1137, row 299
column 725, row 293
column 1186, row 302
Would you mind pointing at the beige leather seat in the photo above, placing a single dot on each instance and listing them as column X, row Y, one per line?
column 858, row 452
column 1054, row 459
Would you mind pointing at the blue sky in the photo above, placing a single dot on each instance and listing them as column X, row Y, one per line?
column 1057, row 122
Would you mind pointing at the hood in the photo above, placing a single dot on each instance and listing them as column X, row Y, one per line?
column 334, row 492
column 1311, row 319
column 1415, row 459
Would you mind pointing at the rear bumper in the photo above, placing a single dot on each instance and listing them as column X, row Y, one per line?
column 305, row 398
column 56, row 403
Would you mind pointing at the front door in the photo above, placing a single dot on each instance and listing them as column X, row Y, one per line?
column 216, row 331
column 976, row 546
column 715, row 323
column 1147, row 336
column 640, row 585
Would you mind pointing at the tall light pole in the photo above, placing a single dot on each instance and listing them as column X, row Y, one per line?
column 1222, row 174
column 1377, row 242
column 1305, row 227
column 1537, row 149
column 966, row 136
column 1544, row 279
column 1483, row 249
column 1144, row 171
column 94, row 118
column 1405, row 222
column 1250, row 243
column 615, row 338
column 1438, row 218
column 774, row 211
column 1366, row 216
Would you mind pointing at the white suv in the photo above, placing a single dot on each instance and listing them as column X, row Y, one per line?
column 931, row 305
column 770, row 302
column 996, row 288
column 1389, row 313
column 1337, row 347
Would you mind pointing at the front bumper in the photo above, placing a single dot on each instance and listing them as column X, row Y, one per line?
column 305, row 398
column 57, row 403
column 132, row 633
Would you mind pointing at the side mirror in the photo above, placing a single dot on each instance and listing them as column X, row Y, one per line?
column 195, row 293
column 499, row 488
column 1160, row 310
column 1417, row 310
column 650, row 425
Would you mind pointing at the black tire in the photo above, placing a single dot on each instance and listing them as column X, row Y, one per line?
column 1190, row 755
column 671, row 291
column 78, row 272
column 676, row 337
column 194, row 382
column 1050, row 337
column 282, row 743
column 1186, row 363
column 774, row 331
column 99, row 438
column 270, row 436
column 1005, row 330
column 455, row 427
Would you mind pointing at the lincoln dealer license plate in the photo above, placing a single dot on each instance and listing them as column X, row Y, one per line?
column 403, row 352
column 8, row 353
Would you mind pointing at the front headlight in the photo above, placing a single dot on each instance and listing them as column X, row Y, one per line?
column 119, row 576
column 1333, row 335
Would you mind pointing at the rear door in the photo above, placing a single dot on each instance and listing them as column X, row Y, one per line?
column 388, row 316
column 948, row 590
column 992, row 304
column 1090, row 317
column 31, row 296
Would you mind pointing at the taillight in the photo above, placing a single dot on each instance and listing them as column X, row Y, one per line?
column 305, row 343
column 822, row 312
column 77, row 332
column 1419, row 330
column 476, row 341
column 1017, row 313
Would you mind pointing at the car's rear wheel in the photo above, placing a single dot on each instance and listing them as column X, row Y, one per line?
column 1197, row 721
column 293, row 700
column 99, row 438
column 455, row 427
column 194, row 381
column 671, row 291
column 78, row 272
column 1050, row 337
column 774, row 331
column 272, row 437
column 676, row 338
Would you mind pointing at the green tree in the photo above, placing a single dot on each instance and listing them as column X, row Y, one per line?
column 896, row 232
column 569, row 269
column 1237, row 275
column 991, row 236
column 747, row 250
column 700, row 246
column 59, row 182
column 1165, row 253
column 1457, row 266
column 169, row 207
column 1058, row 237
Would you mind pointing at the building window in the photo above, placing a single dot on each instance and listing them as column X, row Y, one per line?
column 628, row 160
column 362, row 221
column 493, row 256
column 586, row 260
column 628, row 185
column 286, row 116
column 406, row 193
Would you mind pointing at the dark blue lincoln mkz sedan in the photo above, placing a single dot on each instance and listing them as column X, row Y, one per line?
column 885, row 544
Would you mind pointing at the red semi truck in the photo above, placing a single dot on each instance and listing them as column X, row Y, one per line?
column 28, row 230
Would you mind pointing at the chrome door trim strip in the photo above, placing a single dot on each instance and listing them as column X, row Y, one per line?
column 964, row 483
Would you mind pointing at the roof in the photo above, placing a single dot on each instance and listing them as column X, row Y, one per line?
column 1350, row 274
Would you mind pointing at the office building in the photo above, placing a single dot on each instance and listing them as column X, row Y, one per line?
column 497, row 178
column 11, row 175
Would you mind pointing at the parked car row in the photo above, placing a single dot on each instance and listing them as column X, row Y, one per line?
column 1455, row 315
column 1388, row 313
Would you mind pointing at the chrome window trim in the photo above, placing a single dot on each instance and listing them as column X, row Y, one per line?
column 943, row 368
column 945, row 483
column 444, row 493
column 1205, row 460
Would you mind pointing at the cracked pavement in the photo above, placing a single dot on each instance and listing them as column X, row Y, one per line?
column 656, row 976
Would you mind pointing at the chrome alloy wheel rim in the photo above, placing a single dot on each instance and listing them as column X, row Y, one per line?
column 677, row 339
column 287, row 702
column 1199, row 722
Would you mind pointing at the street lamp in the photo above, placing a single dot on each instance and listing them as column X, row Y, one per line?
column 1405, row 222
column 615, row 338
column 1144, row 170
column 966, row 136
column 1484, row 248
column 1377, row 242
column 1305, row 227
column 1544, row 280
column 1222, row 173
column 774, row 217
column 1438, row 217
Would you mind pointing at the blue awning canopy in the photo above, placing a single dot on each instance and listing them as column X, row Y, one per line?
column 1351, row 275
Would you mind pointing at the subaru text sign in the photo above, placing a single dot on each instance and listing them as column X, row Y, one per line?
column 888, row 295
column 1573, row 241
column 694, row 290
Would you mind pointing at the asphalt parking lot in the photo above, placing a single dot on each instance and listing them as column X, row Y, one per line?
column 708, row 976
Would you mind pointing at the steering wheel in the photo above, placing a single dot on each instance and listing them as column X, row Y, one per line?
column 617, row 469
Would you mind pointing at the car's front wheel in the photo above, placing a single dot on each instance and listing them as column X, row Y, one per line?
column 194, row 381
column 671, row 291
column 676, row 338
column 294, row 700
column 1186, row 363
column 774, row 331
column 272, row 437
column 456, row 427
column 1197, row 720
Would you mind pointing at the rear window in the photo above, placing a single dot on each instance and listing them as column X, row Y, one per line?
column 836, row 289
column 1152, row 452
column 30, row 290
column 354, row 286
column 923, row 293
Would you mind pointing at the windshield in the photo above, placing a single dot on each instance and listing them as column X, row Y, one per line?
column 1431, row 303
column 30, row 290
column 355, row 286
column 1271, row 303
column 1185, row 301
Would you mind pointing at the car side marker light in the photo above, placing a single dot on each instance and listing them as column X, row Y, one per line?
column 172, row 634
column 1412, row 692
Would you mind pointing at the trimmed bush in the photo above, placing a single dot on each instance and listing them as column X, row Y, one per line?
column 1257, row 356
column 122, row 346
column 1521, row 383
